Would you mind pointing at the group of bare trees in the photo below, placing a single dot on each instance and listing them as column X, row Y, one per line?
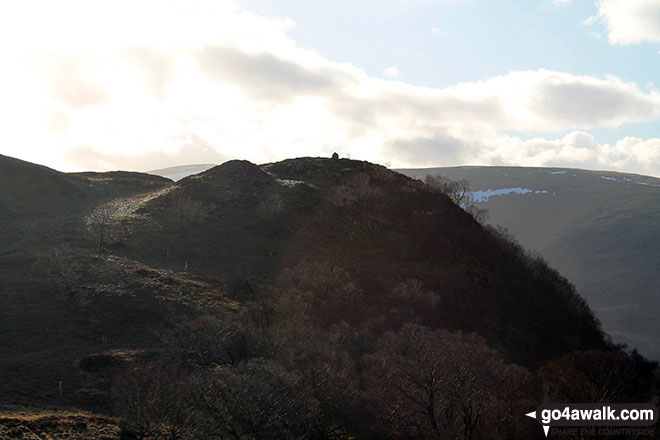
column 255, row 399
column 313, row 368
column 437, row 384
column 214, row 381
column 299, row 363
column 459, row 193
column 212, row 340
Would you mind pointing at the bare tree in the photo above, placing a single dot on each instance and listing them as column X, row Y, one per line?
column 61, row 268
column 459, row 193
column 186, row 210
column 327, row 371
column 254, row 400
column 210, row 341
column 409, row 301
column 598, row 376
column 99, row 222
column 457, row 190
column 436, row 384
column 318, row 293
column 360, row 189
column 153, row 401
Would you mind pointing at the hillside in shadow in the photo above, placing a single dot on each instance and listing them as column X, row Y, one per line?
column 309, row 298
column 599, row 229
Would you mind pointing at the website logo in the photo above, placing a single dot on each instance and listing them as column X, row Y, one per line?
column 596, row 419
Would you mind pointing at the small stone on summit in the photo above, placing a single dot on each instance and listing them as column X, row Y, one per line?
column 335, row 156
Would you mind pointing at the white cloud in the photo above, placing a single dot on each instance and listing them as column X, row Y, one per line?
column 391, row 72
column 589, row 20
column 579, row 149
column 405, row 2
column 630, row 21
column 438, row 32
column 227, row 83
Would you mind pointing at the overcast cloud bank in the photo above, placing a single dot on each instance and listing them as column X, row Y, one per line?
column 164, row 84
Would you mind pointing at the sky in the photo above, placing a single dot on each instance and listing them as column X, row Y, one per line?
column 143, row 85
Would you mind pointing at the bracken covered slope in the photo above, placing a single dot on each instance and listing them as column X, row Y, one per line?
column 293, row 268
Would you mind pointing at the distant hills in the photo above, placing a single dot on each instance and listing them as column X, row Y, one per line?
column 600, row 229
column 179, row 172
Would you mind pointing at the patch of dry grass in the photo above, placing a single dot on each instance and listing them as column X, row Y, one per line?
column 52, row 424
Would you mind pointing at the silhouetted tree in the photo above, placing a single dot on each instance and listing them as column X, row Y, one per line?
column 358, row 191
column 186, row 210
column 411, row 302
column 600, row 376
column 457, row 190
column 213, row 340
column 256, row 399
column 437, row 384
column 319, row 293
column 459, row 193
column 325, row 369
column 99, row 222
column 153, row 401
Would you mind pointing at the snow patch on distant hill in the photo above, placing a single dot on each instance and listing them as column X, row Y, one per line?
column 483, row 196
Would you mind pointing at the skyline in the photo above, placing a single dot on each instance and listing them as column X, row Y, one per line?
column 413, row 83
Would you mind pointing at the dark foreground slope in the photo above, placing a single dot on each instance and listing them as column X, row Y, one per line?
column 600, row 229
column 309, row 298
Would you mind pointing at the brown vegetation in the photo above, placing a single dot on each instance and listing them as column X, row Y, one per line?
column 369, row 306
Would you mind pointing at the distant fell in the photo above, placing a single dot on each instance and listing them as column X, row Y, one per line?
column 179, row 172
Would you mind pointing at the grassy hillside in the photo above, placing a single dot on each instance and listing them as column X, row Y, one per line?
column 30, row 190
column 59, row 298
column 280, row 301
